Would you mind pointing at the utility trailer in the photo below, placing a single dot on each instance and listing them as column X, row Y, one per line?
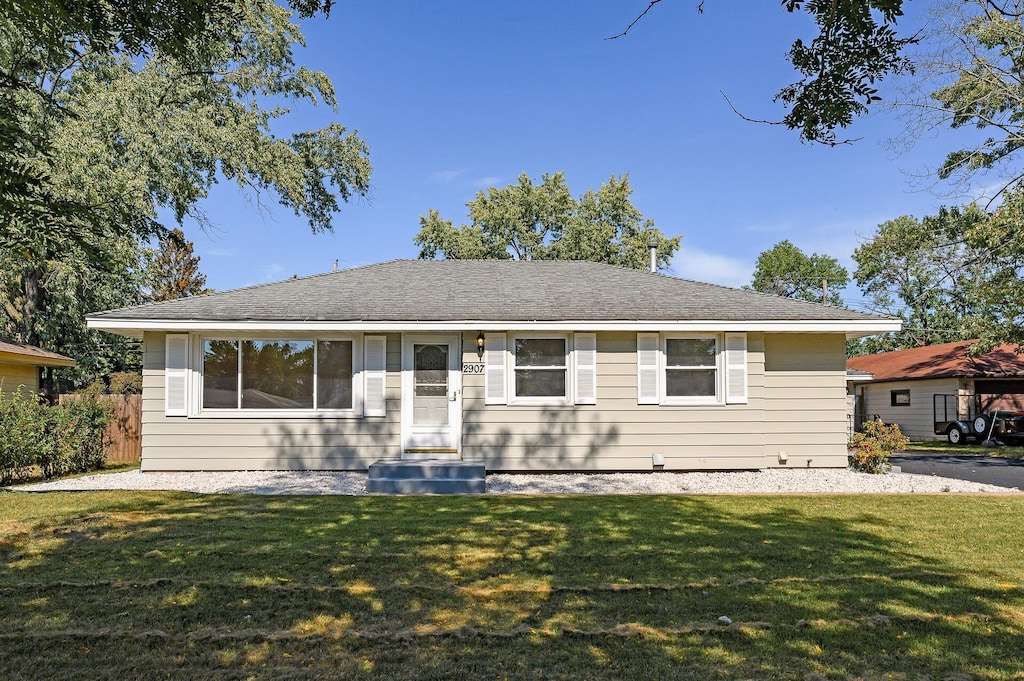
column 959, row 417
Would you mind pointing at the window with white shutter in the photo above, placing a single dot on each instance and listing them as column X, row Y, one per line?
column 539, row 369
column 375, row 375
column 736, row 368
column 585, row 359
column 648, row 349
column 176, row 374
column 494, row 369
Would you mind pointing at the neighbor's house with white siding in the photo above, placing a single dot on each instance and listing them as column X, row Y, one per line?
column 904, row 384
column 540, row 365
column 20, row 364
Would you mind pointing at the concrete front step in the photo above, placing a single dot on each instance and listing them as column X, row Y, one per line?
column 428, row 476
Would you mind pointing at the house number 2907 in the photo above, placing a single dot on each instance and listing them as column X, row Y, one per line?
column 472, row 368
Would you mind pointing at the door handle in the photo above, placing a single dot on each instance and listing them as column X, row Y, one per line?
column 454, row 397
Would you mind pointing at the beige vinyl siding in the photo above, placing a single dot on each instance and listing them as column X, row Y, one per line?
column 797, row 399
column 616, row 433
column 320, row 443
column 796, row 403
column 15, row 377
column 914, row 420
column 805, row 403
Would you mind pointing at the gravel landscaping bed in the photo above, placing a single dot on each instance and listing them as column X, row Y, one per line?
column 770, row 481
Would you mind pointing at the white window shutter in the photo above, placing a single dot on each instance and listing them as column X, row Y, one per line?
column 494, row 369
column 375, row 375
column 735, row 368
column 584, row 346
column 647, row 372
column 176, row 374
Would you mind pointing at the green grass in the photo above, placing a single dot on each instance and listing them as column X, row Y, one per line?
column 966, row 448
column 122, row 585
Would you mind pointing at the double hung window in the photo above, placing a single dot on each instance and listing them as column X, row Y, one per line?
column 541, row 369
column 691, row 368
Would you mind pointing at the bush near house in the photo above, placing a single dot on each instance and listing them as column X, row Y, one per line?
column 58, row 439
column 870, row 448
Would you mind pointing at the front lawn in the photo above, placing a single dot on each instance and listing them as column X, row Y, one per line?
column 126, row 585
column 966, row 448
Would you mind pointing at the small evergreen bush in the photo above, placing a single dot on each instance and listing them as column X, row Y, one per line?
column 872, row 446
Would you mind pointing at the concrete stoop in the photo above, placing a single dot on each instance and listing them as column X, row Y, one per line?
column 428, row 476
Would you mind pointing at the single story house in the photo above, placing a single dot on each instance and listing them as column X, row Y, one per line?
column 20, row 364
column 905, row 384
column 524, row 365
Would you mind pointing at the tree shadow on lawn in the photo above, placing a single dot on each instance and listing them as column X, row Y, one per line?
column 540, row 587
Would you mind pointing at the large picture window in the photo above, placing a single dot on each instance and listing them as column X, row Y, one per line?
column 691, row 368
column 277, row 374
column 540, row 368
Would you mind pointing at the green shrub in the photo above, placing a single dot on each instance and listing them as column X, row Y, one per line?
column 872, row 446
column 64, row 438
column 22, row 423
column 79, row 425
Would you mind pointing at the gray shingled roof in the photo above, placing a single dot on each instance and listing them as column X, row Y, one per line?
column 486, row 290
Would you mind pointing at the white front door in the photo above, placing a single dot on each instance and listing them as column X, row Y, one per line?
column 431, row 396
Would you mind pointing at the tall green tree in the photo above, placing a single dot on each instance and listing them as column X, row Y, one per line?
column 39, row 38
column 172, row 270
column 934, row 273
column 785, row 270
column 527, row 221
column 134, row 136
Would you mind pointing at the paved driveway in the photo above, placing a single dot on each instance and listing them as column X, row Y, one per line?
column 988, row 469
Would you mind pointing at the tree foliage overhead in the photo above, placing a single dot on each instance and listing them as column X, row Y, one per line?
column 953, row 276
column 117, row 138
column 527, row 221
column 43, row 40
column 785, row 270
column 172, row 270
column 969, row 76
column 856, row 47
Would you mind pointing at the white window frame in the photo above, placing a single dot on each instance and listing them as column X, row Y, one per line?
column 719, row 397
column 196, row 408
column 513, row 398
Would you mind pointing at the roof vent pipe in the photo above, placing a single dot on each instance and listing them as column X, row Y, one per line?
column 652, row 244
column 335, row 265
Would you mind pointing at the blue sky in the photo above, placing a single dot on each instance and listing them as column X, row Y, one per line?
column 459, row 95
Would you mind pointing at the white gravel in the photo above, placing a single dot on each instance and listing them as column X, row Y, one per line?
column 769, row 481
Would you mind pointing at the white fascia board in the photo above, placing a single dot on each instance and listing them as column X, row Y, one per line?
column 852, row 328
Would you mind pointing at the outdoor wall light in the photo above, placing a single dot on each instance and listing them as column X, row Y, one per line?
column 480, row 344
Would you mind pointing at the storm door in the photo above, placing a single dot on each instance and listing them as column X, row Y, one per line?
column 431, row 396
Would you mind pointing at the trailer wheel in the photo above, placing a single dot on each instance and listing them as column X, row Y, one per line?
column 981, row 424
column 953, row 435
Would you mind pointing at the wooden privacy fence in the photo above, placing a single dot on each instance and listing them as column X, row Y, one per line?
column 124, row 434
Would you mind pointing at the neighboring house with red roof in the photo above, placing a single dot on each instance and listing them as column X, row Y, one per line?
column 905, row 382
column 20, row 364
